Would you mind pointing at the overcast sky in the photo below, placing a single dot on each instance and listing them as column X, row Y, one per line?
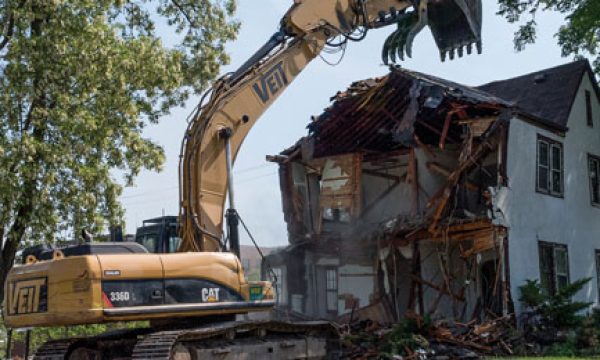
column 256, row 181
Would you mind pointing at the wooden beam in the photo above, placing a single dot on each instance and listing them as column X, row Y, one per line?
column 370, row 207
column 453, row 180
column 441, row 289
column 435, row 167
column 480, row 224
column 445, row 130
column 384, row 175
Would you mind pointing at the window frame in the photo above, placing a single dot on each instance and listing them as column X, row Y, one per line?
column 331, row 286
column 597, row 259
column 588, row 109
column 596, row 159
column 555, row 249
column 552, row 144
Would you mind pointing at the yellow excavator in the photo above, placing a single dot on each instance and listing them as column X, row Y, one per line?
column 191, row 297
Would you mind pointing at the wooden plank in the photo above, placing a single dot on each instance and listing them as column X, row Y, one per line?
column 480, row 224
column 384, row 175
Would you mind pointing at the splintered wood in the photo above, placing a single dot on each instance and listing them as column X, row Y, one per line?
column 489, row 337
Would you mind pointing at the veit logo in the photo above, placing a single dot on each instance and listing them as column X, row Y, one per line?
column 271, row 83
column 25, row 297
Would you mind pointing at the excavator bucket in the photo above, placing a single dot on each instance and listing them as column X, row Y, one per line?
column 455, row 25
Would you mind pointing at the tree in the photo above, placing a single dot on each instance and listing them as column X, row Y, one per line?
column 579, row 36
column 80, row 81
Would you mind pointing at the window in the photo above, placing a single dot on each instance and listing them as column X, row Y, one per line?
column 246, row 264
column 554, row 266
column 598, row 273
column 174, row 242
column 332, row 290
column 549, row 166
column 588, row 108
column 149, row 241
column 594, row 173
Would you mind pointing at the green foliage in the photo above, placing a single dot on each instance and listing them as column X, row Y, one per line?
column 579, row 35
column 407, row 334
column 568, row 348
column 80, row 79
column 558, row 310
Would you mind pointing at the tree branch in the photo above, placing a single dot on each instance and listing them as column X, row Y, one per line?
column 184, row 13
column 10, row 27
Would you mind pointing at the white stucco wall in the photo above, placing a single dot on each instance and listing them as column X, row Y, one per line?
column 532, row 216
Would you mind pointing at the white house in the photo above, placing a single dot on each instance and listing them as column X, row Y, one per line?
column 414, row 193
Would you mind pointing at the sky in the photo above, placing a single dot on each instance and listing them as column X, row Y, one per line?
column 256, row 181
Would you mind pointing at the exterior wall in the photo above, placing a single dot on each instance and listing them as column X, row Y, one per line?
column 533, row 217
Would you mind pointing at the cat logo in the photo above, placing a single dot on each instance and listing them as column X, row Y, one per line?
column 27, row 296
column 210, row 295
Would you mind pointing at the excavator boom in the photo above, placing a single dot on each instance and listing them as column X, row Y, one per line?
column 238, row 100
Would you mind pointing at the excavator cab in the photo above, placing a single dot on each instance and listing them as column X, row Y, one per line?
column 159, row 235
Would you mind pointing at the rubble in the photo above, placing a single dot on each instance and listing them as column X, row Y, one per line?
column 416, row 338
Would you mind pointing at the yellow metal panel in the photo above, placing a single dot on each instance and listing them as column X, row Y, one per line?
column 72, row 293
column 222, row 268
column 130, row 266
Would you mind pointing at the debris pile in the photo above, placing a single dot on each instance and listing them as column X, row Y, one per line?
column 416, row 338
column 489, row 337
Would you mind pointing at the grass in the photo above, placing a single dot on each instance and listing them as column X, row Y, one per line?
column 543, row 358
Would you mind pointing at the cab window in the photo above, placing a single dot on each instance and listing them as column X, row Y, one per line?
column 149, row 241
column 174, row 242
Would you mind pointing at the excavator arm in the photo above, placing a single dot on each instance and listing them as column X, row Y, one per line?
column 236, row 101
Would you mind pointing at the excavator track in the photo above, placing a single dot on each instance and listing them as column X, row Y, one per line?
column 224, row 340
column 230, row 338
column 54, row 350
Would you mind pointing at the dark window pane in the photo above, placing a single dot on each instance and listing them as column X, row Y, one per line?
column 556, row 182
column 546, row 254
column 556, row 157
column 543, row 153
column 543, row 178
column 594, row 180
column 546, row 283
column 561, row 261
column 561, row 281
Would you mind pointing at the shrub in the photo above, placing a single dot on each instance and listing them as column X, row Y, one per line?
column 558, row 310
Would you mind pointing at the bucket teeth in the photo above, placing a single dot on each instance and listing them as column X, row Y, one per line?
column 455, row 24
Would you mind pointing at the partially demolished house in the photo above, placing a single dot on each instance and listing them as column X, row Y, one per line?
column 416, row 194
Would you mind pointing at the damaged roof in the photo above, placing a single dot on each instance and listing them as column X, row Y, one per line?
column 547, row 94
column 385, row 113
column 392, row 112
